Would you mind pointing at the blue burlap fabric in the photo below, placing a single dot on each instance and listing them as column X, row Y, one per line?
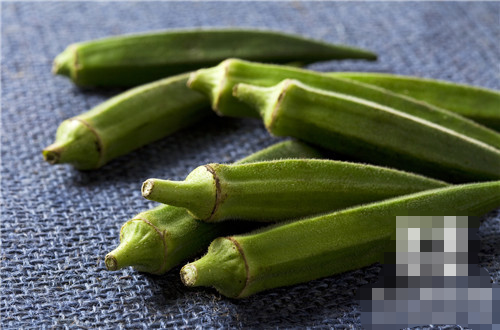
column 57, row 224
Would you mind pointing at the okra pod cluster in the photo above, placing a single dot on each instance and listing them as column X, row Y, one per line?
column 152, row 111
column 282, row 189
column 218, row 83
column 335, row 215
column 304, row 250
column 156, row 240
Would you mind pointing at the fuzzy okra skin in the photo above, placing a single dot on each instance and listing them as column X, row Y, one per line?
column 130, row 60
column 158, row 239
column 282, row 189
column 479, row 104
column 126, row 122
column 304, row 250
column 218, row 82
column 371, row 132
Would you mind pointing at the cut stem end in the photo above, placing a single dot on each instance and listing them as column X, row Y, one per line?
column 111, row 263
column 147, row 188
column 51, row 155
column 189, row 275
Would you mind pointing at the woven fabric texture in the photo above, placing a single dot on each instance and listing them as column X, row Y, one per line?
column 57, row 223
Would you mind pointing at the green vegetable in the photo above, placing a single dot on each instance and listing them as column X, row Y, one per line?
column 371, row 132
column 156, row 240
column 479, row 104
column 217, row 83
column 304, row 250
column 130, row 60
column 126, row 122
column 282, row 189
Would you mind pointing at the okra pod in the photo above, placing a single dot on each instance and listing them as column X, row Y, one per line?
column 127, row 121
column 282, row 189
column 217, row 83
column 479, row 104
column 304, row 250
column 156, row 240
column 130, row 60
column 371, row 132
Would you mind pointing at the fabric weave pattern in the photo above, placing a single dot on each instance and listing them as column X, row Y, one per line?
column 57, row 223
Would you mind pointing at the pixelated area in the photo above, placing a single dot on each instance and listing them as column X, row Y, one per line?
column 432, row 277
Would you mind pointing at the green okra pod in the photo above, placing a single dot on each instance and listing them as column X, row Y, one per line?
column 282, row 189
column 479, row 104
column 156, row 240
column 218, row 83
column 371, row 132
column 130, row 60
column 304, row 250
column 127, row 121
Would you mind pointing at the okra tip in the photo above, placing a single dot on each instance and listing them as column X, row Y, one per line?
column 206, row 81
column 193, row 78
column 142, row 246
column 197, row 193
column 64, row 61
column 111, row 263
column 189, row 275
column 257, row 97
column 223, row 267
column 71, row 153
column 76, row 143
column 263, row 99
column 147, row 187
column 51, row 154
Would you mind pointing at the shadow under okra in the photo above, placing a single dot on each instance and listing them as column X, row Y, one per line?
column 326, row 298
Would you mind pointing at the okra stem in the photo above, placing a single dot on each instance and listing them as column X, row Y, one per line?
column 224, row 266
column 198, row 192
column 282, row 189
column 372, row 132
column 303, row 250
column 138, row 232
column 156, row 240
